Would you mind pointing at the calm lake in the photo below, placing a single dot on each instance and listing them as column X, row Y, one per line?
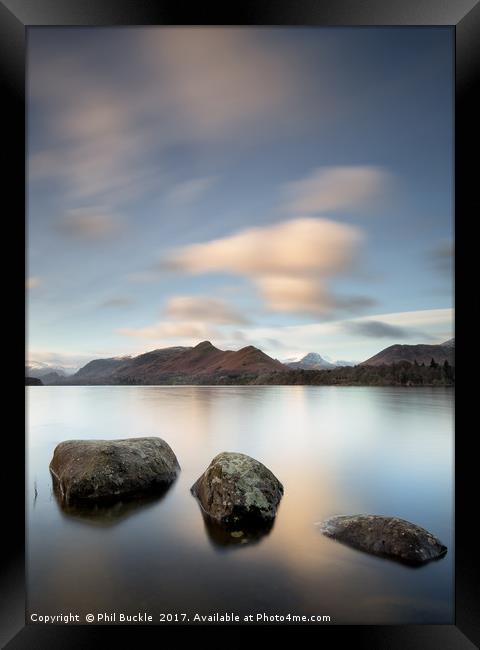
column 337, row 450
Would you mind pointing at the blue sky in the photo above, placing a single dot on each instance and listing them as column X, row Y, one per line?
column 286, row 188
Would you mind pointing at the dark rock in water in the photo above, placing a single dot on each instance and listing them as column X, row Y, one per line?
column 237, row 489
column 91, row 470
column 387, row 536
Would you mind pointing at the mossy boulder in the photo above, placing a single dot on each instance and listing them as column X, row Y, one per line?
column 93, row 470
column 386, row 536
column 237, row 489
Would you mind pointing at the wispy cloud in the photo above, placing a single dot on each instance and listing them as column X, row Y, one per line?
column 289, row 262
column 189, row 319
column 116, row 302
column 442, row 257
column 191, row 190
column 99, row 148
column 246, row 82
column 332, row 338
column 109, row 142
column 378, row 329
column 296, row 247
column 171, row 330
column 204, row 309
column 328, row 189
column 306, row 295
column 89, row 224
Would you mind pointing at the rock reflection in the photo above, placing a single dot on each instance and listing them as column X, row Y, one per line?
column 109, row 512
column 224, row 536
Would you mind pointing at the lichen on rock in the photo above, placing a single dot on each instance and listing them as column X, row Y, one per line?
column 236, row 488
column 390, row 537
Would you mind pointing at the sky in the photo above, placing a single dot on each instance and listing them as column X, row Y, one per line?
column 288, row 188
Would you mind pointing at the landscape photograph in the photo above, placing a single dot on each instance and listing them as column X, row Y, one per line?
column 240, row 355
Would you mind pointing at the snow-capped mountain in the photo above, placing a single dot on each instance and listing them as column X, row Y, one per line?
column 41, row 368
column 311, row 361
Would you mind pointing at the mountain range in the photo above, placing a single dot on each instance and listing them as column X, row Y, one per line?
column 205, row 363
column 177, row 365
column 41, row 368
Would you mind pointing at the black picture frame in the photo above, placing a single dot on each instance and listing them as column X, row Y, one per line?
column 461, row 15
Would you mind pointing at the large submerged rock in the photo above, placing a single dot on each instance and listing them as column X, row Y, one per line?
column 92, row 470
column 237, row 489
column 385, row 536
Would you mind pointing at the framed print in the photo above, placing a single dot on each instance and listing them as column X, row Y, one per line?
column 240, row 324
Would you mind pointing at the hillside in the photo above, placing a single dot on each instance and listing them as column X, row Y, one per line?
column 33, row 381
column 200, row 364
column 420, row 353
column 98, row 369
column 403, row 373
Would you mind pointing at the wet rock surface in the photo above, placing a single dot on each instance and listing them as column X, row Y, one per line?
column 86, row 471
column 385, row 536
column 238, row 492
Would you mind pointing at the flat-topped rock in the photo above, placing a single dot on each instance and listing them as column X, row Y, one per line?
column 91, row 470
column 236, row 488
column 386, row 536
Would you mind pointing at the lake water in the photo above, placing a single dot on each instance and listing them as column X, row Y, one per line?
column 337, row 450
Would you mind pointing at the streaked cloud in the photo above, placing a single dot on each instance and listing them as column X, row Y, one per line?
column 378, row 329
column 189, row 319
column 442, row 257
column 246, row 80
column 289, row 262
column 331, row 338
column 328, row 189
column 98, row 149
column 296, row 247
column 189, row 191
column 110, row 142
column 89, row 224
column 308, row 296
column 117, row 302
column 171, row 330
column 204, row 309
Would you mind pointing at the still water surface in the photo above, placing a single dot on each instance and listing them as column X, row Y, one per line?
column 337, row 450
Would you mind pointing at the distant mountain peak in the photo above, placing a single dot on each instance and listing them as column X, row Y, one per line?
column 312, row 356
column 311, row 361
column 205, row 345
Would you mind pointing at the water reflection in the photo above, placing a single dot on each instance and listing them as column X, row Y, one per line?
column 385, row 557
column 107, row 512
column 347, row 449
column 224, row 536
